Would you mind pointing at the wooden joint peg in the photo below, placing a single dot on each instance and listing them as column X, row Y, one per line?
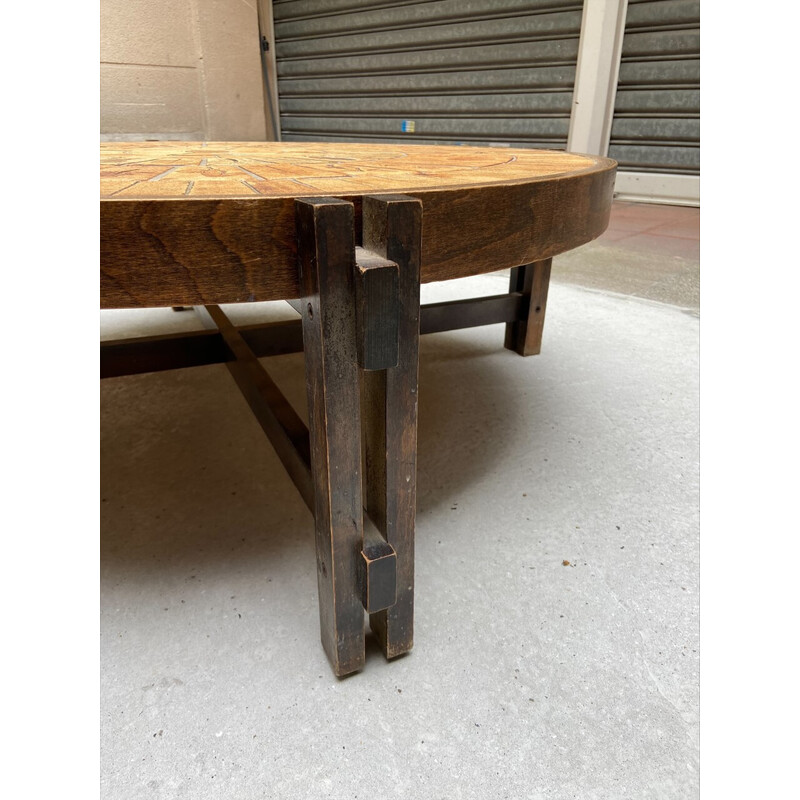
column 378, row 571
column 377, row 311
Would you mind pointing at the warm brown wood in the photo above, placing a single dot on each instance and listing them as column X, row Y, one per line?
column 326, row 262
column 181, row 225
column 392, row 228
column 159, row 170
column 206, row 223
column 168, row 253
column 533, row 280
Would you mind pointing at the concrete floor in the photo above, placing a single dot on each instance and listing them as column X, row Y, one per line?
column 556, row 641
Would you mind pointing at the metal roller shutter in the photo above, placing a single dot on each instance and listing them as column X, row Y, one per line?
column 656, row 125
column 435, row 72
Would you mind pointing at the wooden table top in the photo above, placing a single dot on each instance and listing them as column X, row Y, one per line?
column 187, row 223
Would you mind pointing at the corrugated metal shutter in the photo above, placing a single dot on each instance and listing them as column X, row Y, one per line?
column 656, row 126
column 471, row 71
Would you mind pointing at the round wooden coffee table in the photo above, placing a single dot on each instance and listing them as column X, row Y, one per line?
column 195, row 222
column 346, row 233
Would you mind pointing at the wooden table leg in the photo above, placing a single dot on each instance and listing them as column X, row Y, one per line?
column 533, row 280
column 361, row 321
column 392, row 227
column 326, row 257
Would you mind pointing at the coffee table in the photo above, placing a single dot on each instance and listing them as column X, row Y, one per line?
column 345, row 233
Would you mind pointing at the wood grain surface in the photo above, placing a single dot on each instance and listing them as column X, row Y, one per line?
column 327, row 263
column 191, row 223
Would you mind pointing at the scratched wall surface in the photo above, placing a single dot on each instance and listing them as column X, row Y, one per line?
column 172, row 69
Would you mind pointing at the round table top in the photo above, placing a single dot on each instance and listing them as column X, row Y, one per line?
column 186, row 223
column 164, row 170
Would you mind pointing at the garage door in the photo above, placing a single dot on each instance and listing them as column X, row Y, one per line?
column 656, row 125
column 443, row 72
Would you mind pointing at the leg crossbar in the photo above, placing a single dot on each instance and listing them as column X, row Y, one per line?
column 199, row 348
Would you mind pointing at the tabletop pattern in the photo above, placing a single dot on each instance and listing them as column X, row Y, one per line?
column 197, row 223
column 250, row 169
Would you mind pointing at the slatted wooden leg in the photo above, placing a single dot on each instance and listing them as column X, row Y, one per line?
column 325, row 239
column 533, row 280
column 392, row 227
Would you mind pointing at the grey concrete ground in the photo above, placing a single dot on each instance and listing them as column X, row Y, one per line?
column 556, row 647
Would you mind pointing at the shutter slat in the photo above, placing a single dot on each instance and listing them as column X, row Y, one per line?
column 656, row 130
column 300, row 9
column 456, row 59
column 656, row 101
column 546, row 79
column 684, row 44
column 656, row 158
column 662, row 14
column 409, row 40
column 533, row 104
column 332, row 18
column 685, row 72
column 547, row 128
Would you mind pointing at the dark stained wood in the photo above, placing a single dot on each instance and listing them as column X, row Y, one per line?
column 392, row 229
column 198, row 348
column 234, row 241
column 157, row 353
column 373, row 433
column 499, row 227
column 378, row 574
column 377, row 311
column 195, row 252
column 474, row 312
column 284, row 428
column 326, row 256
column 533, row 281
column 274, row 338
column 181, row 225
